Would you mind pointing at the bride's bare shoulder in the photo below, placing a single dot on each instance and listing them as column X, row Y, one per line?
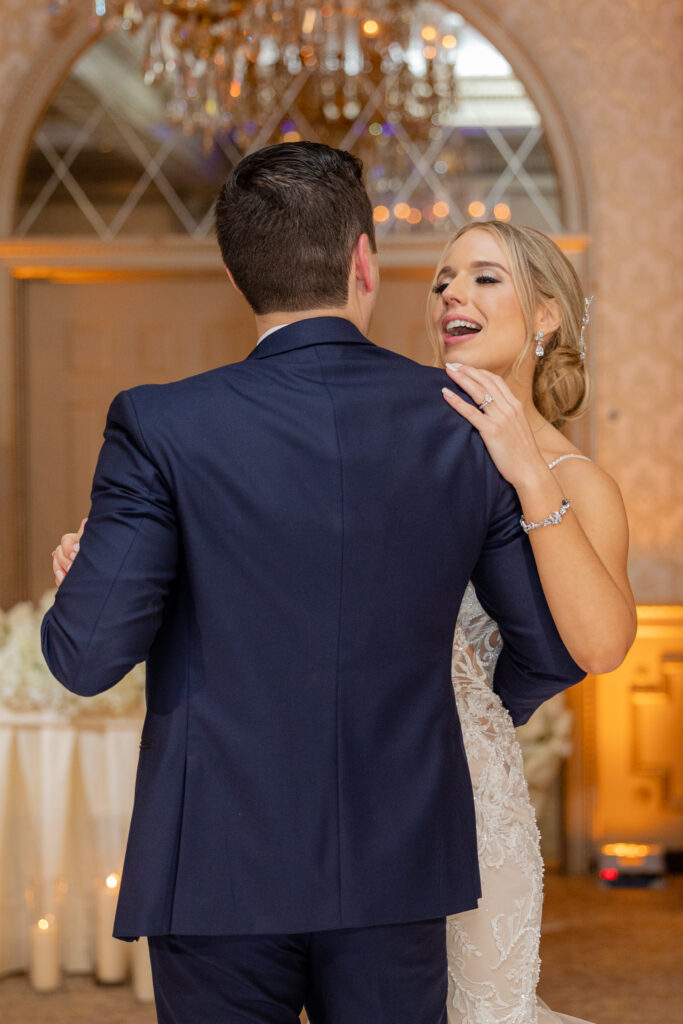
column 585, row 478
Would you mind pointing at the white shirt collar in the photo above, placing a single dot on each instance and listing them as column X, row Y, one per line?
column 271, row 330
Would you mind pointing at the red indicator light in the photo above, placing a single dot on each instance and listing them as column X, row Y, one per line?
column 609, row 874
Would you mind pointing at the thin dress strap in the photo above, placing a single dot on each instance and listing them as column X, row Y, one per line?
column 569, row 455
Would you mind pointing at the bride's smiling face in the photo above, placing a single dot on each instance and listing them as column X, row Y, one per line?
column 476, row 315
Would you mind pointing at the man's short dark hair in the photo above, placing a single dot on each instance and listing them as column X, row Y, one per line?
column 287, row 220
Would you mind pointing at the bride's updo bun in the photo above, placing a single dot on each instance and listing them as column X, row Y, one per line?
column 540, row 270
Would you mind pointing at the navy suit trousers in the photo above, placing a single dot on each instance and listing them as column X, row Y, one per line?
column 393, row 974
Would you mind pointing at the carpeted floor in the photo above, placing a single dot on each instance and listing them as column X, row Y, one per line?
column 609, row 956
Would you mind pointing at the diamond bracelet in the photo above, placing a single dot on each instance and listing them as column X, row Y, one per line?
column 552, row 520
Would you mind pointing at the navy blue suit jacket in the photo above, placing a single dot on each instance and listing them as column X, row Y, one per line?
column 286, row 541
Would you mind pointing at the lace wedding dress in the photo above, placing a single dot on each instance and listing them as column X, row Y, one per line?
column 493, row 961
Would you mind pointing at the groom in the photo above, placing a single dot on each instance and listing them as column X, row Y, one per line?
column 286, row 541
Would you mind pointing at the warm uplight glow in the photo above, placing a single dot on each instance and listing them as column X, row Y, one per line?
column 429, row 52
column 381, row 213
column 429, row 33
column 370, row 27
column 43, row 924
column 628, row 850
column 501, row 211
column 476, row 209
column 441, row 209
column 291, row 137
column 112, row 881
column 235, row 88
column 449, row 42
column 414, row 217
column 609, row 874
column 402, row 211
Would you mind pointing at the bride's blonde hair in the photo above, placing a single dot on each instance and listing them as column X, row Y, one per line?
column 540, row 271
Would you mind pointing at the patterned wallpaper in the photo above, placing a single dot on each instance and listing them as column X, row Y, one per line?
column 615, row 69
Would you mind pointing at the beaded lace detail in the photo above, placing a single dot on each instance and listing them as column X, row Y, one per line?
column 493, row 951
column 493, row 961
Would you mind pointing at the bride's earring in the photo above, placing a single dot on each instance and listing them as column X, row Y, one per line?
column 540, row 351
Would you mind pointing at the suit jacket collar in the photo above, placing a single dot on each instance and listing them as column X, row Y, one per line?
column 319, row 330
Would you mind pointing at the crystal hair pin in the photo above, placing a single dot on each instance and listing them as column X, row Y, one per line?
column 585, row 320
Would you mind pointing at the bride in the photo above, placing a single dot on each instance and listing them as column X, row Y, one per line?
column 507, row 317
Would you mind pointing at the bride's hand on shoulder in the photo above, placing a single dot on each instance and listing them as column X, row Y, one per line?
column 500, row 419
column 64, row 555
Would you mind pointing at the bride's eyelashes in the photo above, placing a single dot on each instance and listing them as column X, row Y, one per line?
column 438, row 289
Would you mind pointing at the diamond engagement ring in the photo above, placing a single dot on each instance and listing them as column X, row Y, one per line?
column 487, row 401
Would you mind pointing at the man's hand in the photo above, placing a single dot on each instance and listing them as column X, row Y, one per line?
column 65, row 553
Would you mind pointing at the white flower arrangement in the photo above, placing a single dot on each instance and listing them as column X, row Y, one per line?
column 545, row 741
column 26, row 683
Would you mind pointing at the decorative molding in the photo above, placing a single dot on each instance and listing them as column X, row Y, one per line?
column 558, row 132
column 32, row 258
column 50, row 64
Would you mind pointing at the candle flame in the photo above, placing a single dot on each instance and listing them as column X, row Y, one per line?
column 112, row 881
column 309, row 20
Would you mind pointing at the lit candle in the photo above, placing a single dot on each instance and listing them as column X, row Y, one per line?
column 44, row 969
column 112, row 954
column 142, row 972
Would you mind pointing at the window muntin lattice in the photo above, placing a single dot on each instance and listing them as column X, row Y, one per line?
column 106, row 161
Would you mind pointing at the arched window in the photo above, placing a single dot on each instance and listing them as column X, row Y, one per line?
column 107, row 162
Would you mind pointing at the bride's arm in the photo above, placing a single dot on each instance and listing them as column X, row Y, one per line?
column 582, row 560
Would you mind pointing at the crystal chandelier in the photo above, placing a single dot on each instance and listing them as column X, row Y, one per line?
column 229, row 62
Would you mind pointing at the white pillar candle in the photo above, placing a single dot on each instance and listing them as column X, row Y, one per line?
column 142, row 972
column 45, row 972
column 112, row 954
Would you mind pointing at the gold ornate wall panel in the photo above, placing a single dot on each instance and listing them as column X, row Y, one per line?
column 84, row 342
column 638, row 730
column 616, row 68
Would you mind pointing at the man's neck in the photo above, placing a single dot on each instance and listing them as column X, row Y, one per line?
column 268, row 320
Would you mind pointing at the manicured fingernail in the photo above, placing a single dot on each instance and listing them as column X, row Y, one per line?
column 60, row 575
column 453, row 366
column 448, row 393
column 77, row 546
column 72, row 555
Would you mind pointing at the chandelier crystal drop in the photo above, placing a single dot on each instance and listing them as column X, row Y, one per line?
column 228, row 62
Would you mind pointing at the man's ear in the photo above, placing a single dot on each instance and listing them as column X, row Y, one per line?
column 233, row 282
column 548, row 317
column 364, row 262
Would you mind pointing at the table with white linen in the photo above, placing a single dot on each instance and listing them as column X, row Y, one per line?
column 66, row 793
